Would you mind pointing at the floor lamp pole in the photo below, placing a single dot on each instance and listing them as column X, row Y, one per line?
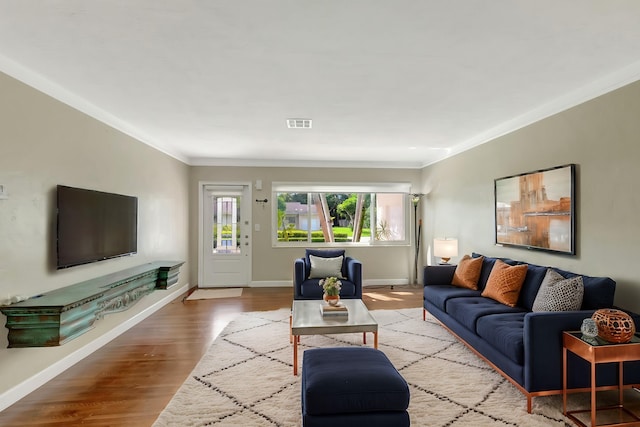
column 417, row 227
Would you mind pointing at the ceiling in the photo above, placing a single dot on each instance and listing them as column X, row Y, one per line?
column 393, row 83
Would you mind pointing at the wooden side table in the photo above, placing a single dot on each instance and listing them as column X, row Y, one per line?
column 594, row 352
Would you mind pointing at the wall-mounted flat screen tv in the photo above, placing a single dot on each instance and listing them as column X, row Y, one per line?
column 94, row 226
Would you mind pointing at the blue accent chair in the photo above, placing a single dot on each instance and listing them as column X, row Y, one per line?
column 305, row 287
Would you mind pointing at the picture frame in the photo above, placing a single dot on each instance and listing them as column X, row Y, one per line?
column 536, row 210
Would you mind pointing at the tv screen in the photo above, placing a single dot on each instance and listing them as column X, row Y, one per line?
column 94, row 226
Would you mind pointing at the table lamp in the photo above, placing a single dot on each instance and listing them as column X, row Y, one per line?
column 445, row 248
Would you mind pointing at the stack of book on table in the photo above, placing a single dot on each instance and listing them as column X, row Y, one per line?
column 334, row 311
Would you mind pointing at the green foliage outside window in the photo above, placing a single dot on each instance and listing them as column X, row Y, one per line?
column 332, row 217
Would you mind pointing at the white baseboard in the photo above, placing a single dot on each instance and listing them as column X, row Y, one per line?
column 383, row 282
column 79, row 348
column 272, row 284
column 289, row 284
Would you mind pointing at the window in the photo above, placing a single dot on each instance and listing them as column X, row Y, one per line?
column 316, row 215
column 226, row 228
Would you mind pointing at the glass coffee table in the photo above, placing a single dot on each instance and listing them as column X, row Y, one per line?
column 307, row 319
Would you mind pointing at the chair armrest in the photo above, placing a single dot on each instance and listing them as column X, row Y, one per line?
column 438, row 274
column 299, row 276
column 354, row 273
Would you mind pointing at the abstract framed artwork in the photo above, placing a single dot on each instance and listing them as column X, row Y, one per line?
column 536, row 210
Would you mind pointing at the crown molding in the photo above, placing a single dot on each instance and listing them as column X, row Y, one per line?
column 599, row 87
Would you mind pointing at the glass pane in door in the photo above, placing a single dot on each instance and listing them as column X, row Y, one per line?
column 226, row 225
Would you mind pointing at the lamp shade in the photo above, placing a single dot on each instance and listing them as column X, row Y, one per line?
column 445, row 248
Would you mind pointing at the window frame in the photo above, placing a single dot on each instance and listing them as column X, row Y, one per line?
column 374, row 189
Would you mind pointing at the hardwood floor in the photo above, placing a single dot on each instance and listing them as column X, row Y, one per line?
column 130, row 380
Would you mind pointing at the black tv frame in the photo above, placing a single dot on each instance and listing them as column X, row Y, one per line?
column 93, row 226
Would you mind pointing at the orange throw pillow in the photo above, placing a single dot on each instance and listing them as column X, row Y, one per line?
column 505, row 282
column 467, row 272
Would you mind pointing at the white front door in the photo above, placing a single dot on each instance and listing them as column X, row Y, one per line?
column 226, row 236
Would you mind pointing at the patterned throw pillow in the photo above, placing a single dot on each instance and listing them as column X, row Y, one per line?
column 467, row 272
column 559, row 294
column 325, row 267
column 505, row 282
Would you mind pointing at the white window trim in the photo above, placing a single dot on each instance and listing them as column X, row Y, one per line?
column 354, row 187
column 347, row 187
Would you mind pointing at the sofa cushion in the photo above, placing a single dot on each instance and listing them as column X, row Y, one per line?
column 311, row 289
column 505, row 282
column 559, row 294
column 438, row 274
column 322, row 267
column 505, row 333
column 487, row 266
column 438, row 295
column 531, row 285
column 467, row 272
column 598, row 291
column 467, row 310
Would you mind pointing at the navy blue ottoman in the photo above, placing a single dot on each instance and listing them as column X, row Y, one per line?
column 350, row 387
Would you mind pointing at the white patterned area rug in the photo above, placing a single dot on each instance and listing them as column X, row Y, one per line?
column 246, row 377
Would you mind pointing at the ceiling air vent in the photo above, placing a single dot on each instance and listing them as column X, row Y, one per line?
column 299, row 123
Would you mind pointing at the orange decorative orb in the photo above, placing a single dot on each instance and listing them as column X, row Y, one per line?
column 614, row 325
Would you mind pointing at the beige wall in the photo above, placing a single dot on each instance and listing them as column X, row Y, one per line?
column 603, row 138
column 44, row 143
column 269, row 264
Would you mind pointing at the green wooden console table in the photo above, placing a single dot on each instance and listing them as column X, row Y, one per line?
column 58, row 316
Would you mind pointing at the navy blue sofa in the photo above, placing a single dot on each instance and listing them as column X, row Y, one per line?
column 524, row 346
